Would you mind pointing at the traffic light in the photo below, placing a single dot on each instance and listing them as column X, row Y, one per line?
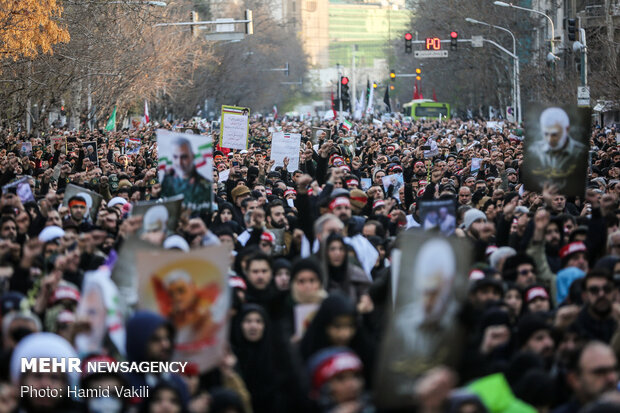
column 344, row 93
column 418, row 74
column 249, row 26
column 374, row 85
column 193, row 28
column 571, row 27
column 454, row 36
column 408, row 38
column 63, row 112
column 392, row 75
column 391, row 87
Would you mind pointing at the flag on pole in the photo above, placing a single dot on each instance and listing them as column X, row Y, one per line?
column 416, row 95
column 359, row 107
column 347, row 125
column 386, row 98
column 434, row 95
column 147, row 119
column 275, row 112
column 369, row 108
column 111, row 125
column 334, row 106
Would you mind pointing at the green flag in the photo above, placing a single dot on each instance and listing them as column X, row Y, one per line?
column 111, row 125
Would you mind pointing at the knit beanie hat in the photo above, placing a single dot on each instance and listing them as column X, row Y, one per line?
column 528, row 326
column 328, row 363
column 472, row 216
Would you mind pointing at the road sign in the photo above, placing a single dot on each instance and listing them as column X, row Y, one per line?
column 583, row 96
column 585, row 103
column 476, row 41
column 421, row 54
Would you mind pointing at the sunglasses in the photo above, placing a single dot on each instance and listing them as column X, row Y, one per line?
column 526, row 272
column 596, row 290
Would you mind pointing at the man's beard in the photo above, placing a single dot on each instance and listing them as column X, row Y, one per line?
column 602, row 307
column 278, row 225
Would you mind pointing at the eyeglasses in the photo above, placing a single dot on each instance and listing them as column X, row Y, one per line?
column 526, row 272
column 596, row 290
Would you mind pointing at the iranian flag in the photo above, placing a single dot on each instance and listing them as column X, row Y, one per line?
column 146, row 113
column 347, row 125
column 205, row 152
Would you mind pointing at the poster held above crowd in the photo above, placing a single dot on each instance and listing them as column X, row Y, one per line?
column 423, row 331
column 556, row 148
column 438, row 215
column 160, row 215
column 234, row 127
column 185, row 168
column 190, row 289
column 285, row 145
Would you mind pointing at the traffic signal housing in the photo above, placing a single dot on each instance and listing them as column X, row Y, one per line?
column 408, row 39
column 392, row 75
column 193, row 28
column 249, row 25
column 571, row 28
column 374, row 85
column 344, row 93
column 454, row 36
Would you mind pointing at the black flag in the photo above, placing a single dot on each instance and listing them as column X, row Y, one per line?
column 386, row 98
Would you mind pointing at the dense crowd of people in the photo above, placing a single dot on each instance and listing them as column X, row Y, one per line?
column 543, row 304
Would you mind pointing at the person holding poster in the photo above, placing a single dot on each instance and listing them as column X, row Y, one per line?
column 556, row 151
column 234, row 128
column 190, row 290
column 285, row 150
column 184, row 178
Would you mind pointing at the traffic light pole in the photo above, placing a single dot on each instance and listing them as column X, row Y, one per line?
column 516, row 75
column 339, row 93
column 584, row 57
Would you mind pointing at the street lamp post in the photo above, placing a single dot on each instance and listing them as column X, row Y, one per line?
column 504, row 4
column 516, row 90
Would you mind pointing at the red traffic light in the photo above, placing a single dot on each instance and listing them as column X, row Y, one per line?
column 454, row 35
column 344, row 80
column 408, row 36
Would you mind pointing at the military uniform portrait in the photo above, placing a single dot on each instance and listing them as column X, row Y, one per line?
column 556, row 149
column 186, row 168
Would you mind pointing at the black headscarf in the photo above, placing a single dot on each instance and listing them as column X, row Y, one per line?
column 315, row 339
column 256, row 361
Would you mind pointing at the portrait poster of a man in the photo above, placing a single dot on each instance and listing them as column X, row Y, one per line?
column 160, row 215
column 190, row 290
column 424, row 328
column 438, row 215
column 185, row 167
column 556, row 148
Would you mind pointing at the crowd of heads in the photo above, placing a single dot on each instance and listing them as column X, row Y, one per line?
column 543, row 298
